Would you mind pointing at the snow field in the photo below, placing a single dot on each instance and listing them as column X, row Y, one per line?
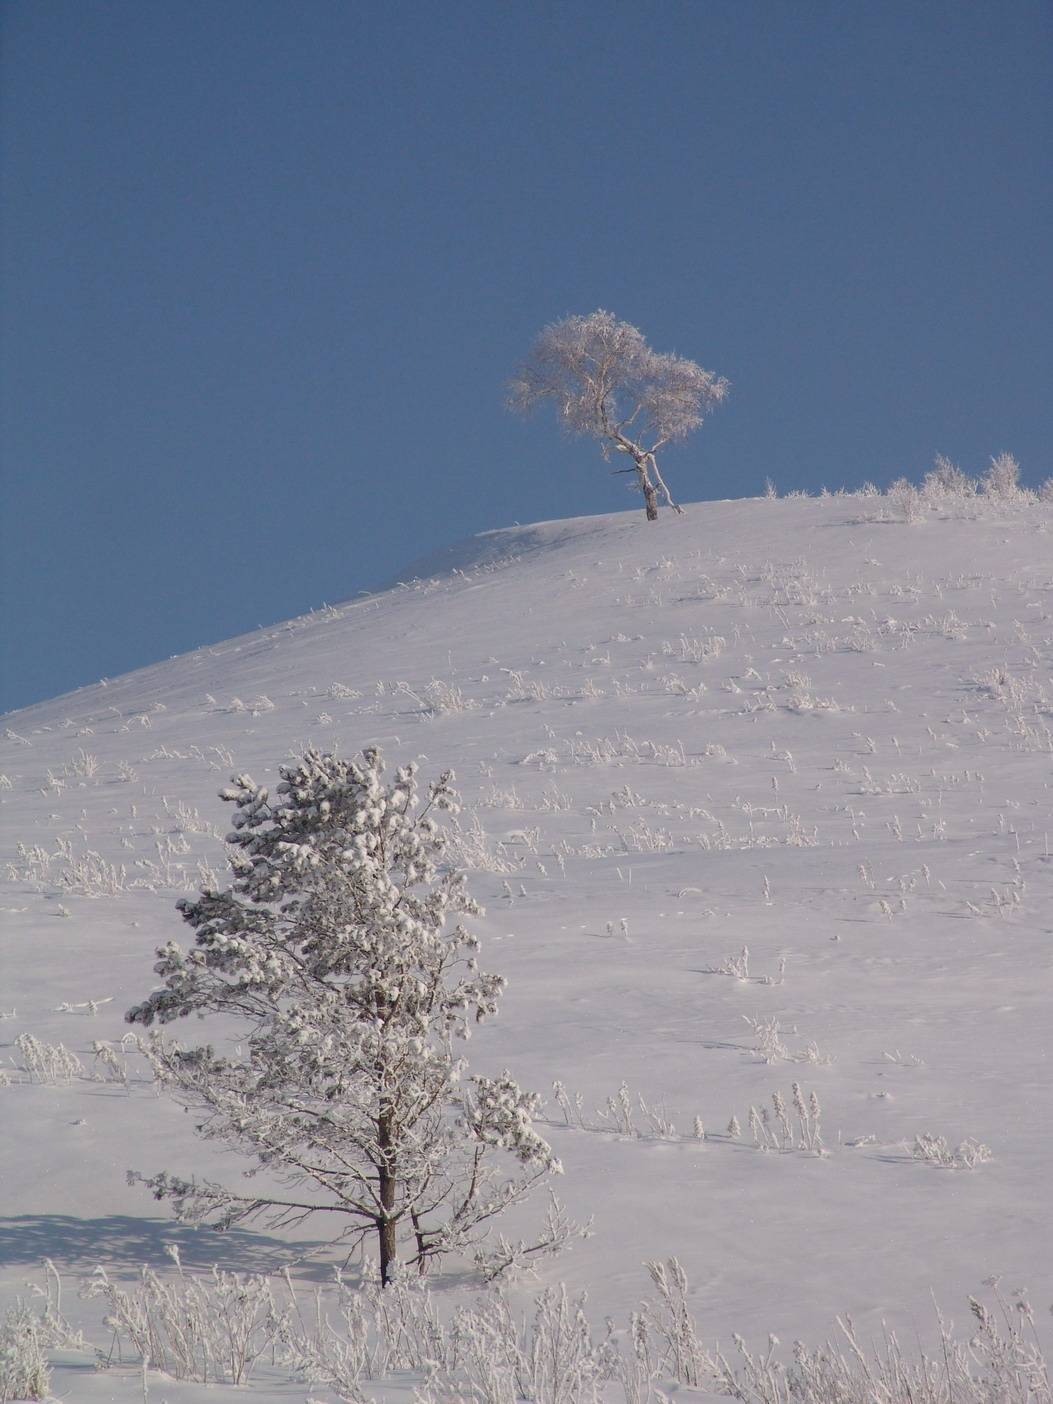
column 784, row 726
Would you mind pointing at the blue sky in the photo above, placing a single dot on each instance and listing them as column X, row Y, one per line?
column 266, row 266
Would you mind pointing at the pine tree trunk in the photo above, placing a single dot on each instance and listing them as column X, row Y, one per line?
column 386, row 1234
column 388, row 1184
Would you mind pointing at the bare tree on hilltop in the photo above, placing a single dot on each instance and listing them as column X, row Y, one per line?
column 607, row 382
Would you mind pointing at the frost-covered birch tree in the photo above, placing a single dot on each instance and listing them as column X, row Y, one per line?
column 346, row 985
column 607, row 383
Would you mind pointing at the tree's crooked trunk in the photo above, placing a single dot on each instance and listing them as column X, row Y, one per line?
column 648, row 489
column 651, row 483
column 661, row 483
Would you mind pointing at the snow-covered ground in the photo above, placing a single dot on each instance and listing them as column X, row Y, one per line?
column 786, row 726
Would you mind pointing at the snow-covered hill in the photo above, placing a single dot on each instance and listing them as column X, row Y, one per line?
column 755, row 796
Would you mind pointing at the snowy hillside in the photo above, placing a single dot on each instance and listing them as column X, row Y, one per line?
column 755, row 796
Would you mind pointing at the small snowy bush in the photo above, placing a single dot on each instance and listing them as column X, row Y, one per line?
column 1000, row 1363
column 946, row 479
column 907, row 500
column 26, row 1335
column 1002, row 479
column 207, row 1328
column 48, row 1063
column 936, row 1150
column 24, row 1370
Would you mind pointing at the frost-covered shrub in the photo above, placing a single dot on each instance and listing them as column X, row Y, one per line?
column 907, row 500
column 209, row 1328
column 470, row 846
column 524, row 689
column 49, row 1063
column 936, row 1150
column 92, row 875
column 87, row 873
column 946, row 479
column 186, row 819
column 1001, row 1362
column 669, row 1320
column 212, row 1328
column 256, row 707
column 695, row 650
column 778, row 1130
column 332, row 949
column 24, row 1369
column 26, row 1334
column 482, row 1353
column 1002, row 479
column 83, row 766
column 437, row 698
column 1000, row 683
column 111, row 1059
column 949, row 490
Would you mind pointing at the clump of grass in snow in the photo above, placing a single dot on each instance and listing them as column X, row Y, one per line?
column 49, row 1063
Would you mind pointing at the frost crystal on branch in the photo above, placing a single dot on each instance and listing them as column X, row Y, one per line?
column 335, row 950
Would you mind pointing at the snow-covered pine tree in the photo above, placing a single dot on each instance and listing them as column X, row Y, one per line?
column 332, row 952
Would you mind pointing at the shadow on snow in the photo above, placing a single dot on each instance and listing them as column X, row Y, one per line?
column 121, row 1240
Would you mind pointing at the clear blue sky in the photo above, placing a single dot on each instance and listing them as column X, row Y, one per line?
column 267, row 263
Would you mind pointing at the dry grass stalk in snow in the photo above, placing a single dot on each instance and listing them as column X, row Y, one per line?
column 52, row 1064
column 211, row 1329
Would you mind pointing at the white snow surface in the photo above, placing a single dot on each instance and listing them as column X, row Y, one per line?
column 775, row 724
